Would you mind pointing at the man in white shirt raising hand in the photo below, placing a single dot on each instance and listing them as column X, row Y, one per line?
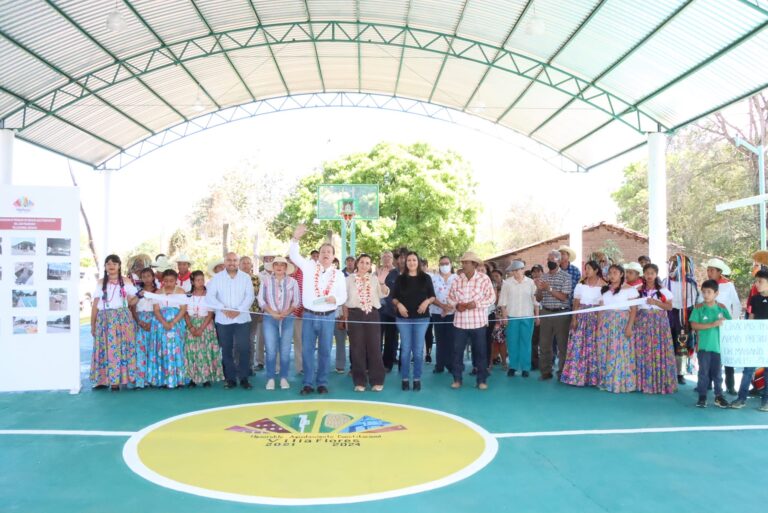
column 323, row 290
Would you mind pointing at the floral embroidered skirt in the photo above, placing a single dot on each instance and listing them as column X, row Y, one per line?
column 656, row 364
column 616, row 353
column 582, row 366
column 203, row 354
column 114, row 352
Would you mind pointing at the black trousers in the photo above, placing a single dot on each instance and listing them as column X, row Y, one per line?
column 389, row 334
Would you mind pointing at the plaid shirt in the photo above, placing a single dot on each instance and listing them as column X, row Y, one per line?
column 575, row 277
column 478, row 289
column 560, row 282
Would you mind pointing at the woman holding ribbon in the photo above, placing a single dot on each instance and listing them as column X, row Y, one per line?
column 581, row 367
column 656, row 366
column 364, row 295
column 616, row 348
column 166, row 369
column 278, row 297
column 202, row 354
column 114, row 351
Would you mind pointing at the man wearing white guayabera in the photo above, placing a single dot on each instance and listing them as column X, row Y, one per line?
column 230, row 293
column 323, row 290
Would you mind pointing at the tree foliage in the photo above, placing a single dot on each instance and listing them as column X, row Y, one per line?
column 426, row 200
column 703, row 170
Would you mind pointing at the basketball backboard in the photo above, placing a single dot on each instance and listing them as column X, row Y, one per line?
column 332, row 199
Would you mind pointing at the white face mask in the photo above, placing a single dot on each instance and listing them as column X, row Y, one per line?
column 445, row 269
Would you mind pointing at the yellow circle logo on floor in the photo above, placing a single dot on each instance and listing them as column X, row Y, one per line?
column 309, row 452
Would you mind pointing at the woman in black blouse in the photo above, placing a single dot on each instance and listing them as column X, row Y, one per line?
column 411, row 297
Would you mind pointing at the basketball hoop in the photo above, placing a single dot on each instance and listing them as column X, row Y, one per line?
column 347, row 216
column 347, row 210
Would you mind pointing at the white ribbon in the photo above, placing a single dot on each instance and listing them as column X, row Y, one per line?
column 619, row 306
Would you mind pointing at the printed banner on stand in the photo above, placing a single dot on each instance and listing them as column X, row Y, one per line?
column 744, row 343
column 39, row 294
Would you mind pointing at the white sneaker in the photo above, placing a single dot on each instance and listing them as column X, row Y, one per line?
column 270, row 384
column 284, row 384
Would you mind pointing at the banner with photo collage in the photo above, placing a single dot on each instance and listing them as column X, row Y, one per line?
column 39, row 296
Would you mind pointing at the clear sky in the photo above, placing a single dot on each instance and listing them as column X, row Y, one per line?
column 154, row 194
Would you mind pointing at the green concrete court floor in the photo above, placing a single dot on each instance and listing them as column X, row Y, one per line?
column 702, row 471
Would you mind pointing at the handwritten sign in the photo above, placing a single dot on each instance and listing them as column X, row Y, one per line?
column 744, row 343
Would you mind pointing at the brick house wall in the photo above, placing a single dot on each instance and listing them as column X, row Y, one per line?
column 630, row 243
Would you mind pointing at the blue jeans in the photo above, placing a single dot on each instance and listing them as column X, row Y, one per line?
column 476, row 337
column 519, row 333
column 746, row 379
column 276, row 341
column 316, row 331
column 710, row 371
column 412, row 333
column 234, row 337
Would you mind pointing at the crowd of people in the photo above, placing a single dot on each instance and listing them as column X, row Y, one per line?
column 616, row 327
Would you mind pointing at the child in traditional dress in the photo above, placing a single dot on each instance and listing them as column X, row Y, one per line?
column 144, row 314
column 656, row 367
column 202, row 354
column 114, row 352
column 168, row 369
column 616, row 349
column 582, row 367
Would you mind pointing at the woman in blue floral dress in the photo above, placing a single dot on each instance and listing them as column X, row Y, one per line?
column 166, row 368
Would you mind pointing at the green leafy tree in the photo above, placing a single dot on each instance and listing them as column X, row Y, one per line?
column 426, row 200
column 703, row 170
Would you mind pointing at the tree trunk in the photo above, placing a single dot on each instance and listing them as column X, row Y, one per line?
column 87, row 223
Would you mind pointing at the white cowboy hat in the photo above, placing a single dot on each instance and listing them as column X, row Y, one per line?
column 183, row 258
column 162, row 264
column 718, row 264
column 570, row 251
column 290, row 269
column 633, row 266
column 471, row 256
column 214, row 264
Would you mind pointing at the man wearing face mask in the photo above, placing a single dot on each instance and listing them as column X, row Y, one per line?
column 554, row 293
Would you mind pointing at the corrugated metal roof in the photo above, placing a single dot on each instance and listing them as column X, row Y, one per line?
column 586, row 78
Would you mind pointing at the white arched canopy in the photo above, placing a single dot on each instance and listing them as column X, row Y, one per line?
column 587, row 78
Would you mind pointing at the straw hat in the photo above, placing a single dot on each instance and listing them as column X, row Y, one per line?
column 570, row 251
column 183, row 258
column 280, row 260
column 162, row 264
column 633, row 266
column 514, row 266
column 214, row 264
column 471, row 256
column 718, row 264
column 761, row 257
column 142, row 261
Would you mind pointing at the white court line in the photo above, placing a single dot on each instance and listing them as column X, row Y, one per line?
column 64, row 432
column 635, row 431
